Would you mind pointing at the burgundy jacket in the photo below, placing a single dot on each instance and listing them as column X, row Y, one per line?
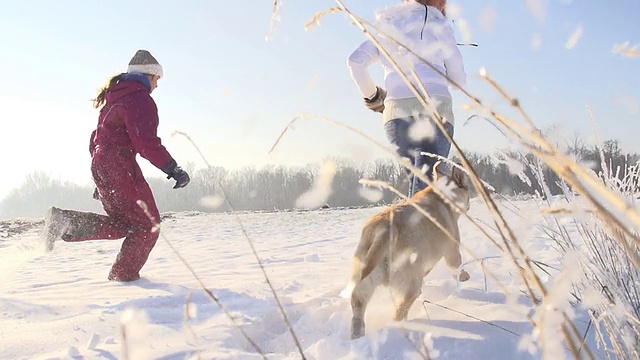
column 129, row 121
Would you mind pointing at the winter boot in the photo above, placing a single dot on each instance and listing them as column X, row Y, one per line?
column 55, row 225
column 82, row 225
column 121, row 278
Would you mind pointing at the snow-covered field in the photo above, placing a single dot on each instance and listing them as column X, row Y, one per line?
column 59, row 305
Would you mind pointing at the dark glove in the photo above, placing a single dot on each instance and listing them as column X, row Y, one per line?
column 174, row 171
column 376, row 103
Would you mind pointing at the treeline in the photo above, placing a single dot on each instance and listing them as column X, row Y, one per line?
column 512, row 172
column 248, row 189
column 279, row 188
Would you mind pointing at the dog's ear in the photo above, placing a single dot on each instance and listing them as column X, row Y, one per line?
column 460, row 178
column 436, row 172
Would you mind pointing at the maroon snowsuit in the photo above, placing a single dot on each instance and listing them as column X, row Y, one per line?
column 127, row 126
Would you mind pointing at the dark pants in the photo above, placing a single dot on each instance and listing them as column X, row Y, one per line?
column 398, row 133
column 131, row 210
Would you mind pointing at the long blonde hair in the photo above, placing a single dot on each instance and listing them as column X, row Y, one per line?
column 100, row 100
column 438, row 4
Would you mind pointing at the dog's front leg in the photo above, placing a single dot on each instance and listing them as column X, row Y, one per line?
column 454, row 260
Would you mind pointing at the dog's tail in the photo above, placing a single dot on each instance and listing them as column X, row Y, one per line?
column 375, row 253
column 355, row 278
column 370, row 252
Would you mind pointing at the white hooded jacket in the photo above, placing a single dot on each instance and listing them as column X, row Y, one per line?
column 423, row 29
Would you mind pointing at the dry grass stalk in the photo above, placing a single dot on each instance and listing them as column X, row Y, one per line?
column 255, row 254
column 275, row 17
column 625, row 49
column 315, row 20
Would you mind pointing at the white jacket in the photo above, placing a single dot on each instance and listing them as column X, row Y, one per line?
column 425, row 30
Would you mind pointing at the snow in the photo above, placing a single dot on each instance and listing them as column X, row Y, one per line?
column 59, row 305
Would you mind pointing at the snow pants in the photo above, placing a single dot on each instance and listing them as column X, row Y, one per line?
column 131, row 210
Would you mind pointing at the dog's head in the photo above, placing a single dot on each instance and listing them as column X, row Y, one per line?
column 457, row 187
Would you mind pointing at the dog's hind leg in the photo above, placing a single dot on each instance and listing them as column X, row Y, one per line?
column 360, row 297
column 405, row 294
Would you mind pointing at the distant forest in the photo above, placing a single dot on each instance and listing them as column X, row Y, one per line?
column 279, row 188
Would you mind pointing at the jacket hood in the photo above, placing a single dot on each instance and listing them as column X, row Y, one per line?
column 407, row 16
column 123, row 88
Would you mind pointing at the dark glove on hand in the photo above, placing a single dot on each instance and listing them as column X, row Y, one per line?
column 174, row 171
column 376, row 103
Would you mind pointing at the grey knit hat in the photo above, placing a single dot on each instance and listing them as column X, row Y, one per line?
column 143, row 62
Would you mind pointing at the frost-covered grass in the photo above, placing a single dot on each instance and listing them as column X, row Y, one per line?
column 601, row 256
column 605, row 281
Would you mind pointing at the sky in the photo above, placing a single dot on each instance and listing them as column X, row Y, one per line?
column 234, row 79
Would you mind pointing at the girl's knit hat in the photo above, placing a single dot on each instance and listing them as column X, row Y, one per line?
column 143, row 62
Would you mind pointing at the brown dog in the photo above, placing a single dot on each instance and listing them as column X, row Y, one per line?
column 399, row 247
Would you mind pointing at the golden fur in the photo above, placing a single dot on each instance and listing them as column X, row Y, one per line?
column 399, row 246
